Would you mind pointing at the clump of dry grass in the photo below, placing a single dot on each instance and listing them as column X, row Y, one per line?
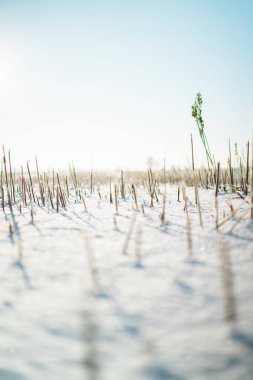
column 55, row 191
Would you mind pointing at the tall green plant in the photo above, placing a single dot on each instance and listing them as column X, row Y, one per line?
column 197, row 115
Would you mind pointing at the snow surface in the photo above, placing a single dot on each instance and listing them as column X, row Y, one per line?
column 75, row 306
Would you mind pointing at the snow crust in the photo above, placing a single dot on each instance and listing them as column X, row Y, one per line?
column 75, row 306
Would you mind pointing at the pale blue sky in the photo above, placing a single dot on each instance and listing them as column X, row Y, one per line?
column 109, row 83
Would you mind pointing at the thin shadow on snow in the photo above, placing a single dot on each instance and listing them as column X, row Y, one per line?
column 10, row 236
column 87, row 213
column 184, row 287
column 31, row 223
column 77, row 222
column 239, row 237
column 10, row 375
column 69, row 218
column 172, row 228
column 194, row 262
column 244, row 339
column 160, row 372
column 91, row 357
column 18, row 264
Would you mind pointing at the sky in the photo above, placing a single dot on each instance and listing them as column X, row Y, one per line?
column 108, row 84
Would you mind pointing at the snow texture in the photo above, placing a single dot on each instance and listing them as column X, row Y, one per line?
column 77, row 302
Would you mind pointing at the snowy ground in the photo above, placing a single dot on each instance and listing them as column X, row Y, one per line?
column 75, row 306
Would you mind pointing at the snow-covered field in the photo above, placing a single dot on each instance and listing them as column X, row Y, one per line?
column 78, row 302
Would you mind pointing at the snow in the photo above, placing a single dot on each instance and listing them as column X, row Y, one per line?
column 75, row 306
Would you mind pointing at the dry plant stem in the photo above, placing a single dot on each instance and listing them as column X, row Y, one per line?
column 129, row 233
column 162, row 216
column 6, row 180
column 195, row 188
column 50, row 197
column 53, row 184
column 84, row 203
column 164, row 174
column 230, row 205
column 111, row 200
column 155, row 183
column 31, row 182
column 227, row 282
column 60, row 192
column 1, row 177
column 11, row 231
column 216, row 197
column 135, row 197
column 57, row 199
column 233, row 213
column 217, row 179
column 116, row 199
column 242, row 197
column 2, row 189
column 46, row 180
column 28, row 192
column 64, row 198
column 152, row 185
column 11, row 178
column 24, row 192
column 184, row 193
column 75, row 180
column 199, row 208
column 40, row 186
column 67, row 186
column 149, row 183
column 122, row 187
column 22, row 183
column 178, row 194
column 38, row 202
column 32, row 214
column 153, row 192
column 91, row 182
